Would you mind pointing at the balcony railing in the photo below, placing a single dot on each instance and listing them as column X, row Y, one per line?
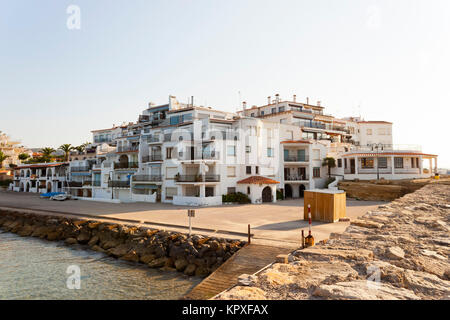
column 87, row 183
column 80, row 169
column 153, row 157
column 296, row 158
column 153, row 139
column 118, row 184
column 125, row 165
column 213, row 155
column 296, row 178
column 75, row 184
column 145, row 177
column 127, row 148
column 96, row 183
column 198, row 178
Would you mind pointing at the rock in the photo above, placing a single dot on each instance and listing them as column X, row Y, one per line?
column 395, row 253
column 201, row 272
column 130, row 256
column 366, row 224
column 322, row 254
column 363, row 290
column 158, row 263
column 190, row 269
column 281, row 258
column 99, row 249
column 243, row 293
column 94, row 225
column 169, row 263
column 94, row 240
column 434, row 254
column 181, row 264
column 118, row 251
column 247, row 280
column 147, row 258
column 26, row 231
column 71, row 241
column 54, row 235
column 426, row 284
column 84, row 237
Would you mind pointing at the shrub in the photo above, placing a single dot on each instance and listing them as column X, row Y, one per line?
column 238, row 197
column 5, row 183
column 280, row 195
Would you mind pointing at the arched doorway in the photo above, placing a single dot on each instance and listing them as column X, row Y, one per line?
column 27, row 187
column 288, row 191
column 49, row 187
column 267, row 194
column 301, row 190
column 123, row 161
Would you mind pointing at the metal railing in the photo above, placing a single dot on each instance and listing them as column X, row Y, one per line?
column 145, row 177
column 127, row 148
column 153, row 139
column 198, row 178
column 296, row 178
column 118, row 184
column 125, row 165
column 296, row 158
column 80, row 169
column 213, row 155
column 153, row 157
column 75, row 184
column 96, row 183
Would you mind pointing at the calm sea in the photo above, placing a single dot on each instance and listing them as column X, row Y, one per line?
column 31, row 268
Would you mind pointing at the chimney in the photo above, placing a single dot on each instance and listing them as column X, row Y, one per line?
column 277, row 98
column 268, row 99
column 244, row 105
column 307, row 100
column 294, row 98
column 318, row 103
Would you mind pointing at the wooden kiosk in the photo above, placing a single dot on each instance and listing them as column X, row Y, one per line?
column 326, row 205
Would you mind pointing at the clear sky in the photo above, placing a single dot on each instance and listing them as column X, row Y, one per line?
column 386, row 60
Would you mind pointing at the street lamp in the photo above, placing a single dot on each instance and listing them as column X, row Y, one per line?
column 377, row 147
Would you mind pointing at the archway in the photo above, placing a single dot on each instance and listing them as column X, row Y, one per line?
column 49, row 187
column 123, row 161
column 267, row 194
column 301, row 190
column 287, row 191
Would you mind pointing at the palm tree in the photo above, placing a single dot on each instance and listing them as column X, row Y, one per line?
column 329, row 162
column 23, row 156
column 47, row 154
column 66, row 148
column 3, row 157
column 80, row 148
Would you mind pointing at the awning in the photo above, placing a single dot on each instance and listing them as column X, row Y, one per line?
column 145, row 186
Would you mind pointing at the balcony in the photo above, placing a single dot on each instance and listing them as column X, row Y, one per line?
column 311, row 124
column 153, row 157
column 118, row 184
column 87, row 183
column 153, row 139
column 128, row 149
column 80, row 169
column 75, row 184
column 296, row 178
column 126, row 165
column 144, row 178
column 213, row 155
column 198, row 178
column 96, row 183
column 296, row 158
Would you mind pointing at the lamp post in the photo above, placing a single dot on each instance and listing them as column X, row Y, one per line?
column 378, row 147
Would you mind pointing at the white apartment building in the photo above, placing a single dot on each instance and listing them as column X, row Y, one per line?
column 40, row 178
column 191, row 155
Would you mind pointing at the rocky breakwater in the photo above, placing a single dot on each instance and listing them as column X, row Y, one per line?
column 197, row 255
column 399, row 251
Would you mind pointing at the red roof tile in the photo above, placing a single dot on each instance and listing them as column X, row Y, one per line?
column 257, row 180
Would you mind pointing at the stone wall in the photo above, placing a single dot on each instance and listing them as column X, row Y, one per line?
column 197, row 255
column 401, row 250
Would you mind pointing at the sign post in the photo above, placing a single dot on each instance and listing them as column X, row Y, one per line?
column 191, row 213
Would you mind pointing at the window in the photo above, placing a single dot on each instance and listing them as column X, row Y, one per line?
column 231, row 171
column 382, row 162
column 170, row 192
column 316, row 172
column 345, row 163
column 248, row 190
column 248, row 149
column 369, row 132
column 248, row 170
column 274, row 110
column 381, row 131
column 270, row 152
column 280, row 109
column 252, row 114
column 174, row 120
column 339, row 163
column 366, row 163
column 398, row 162
column 231, row 190
column 256, row 170
column 169, row 153
column 262, row 113
column 231, row 150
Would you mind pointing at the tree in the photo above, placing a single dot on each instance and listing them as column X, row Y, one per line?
column 46, row 155
column 66, row 148
column 329, row 162
column 80, row 148
column 3, row 157
column 23, row 156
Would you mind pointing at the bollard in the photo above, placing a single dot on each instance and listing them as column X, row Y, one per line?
column 309, row 240
column 249, row 238
column 303, row 239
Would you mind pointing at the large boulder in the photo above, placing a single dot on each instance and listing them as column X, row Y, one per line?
column 158, row 263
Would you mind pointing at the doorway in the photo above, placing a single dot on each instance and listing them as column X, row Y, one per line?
column 267, row 194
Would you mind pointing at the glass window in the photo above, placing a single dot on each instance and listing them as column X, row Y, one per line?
column 170, row 192
column 231, row 171
column 398, row 162
column 231, row 190
column 248, row 149
column 256, row 170
column 369, row 132
column 231, row 150
column 367, row 163
column 270, row 152
column 382, row 162
column 248, row 170
column 339, row 163
column 316, row 172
